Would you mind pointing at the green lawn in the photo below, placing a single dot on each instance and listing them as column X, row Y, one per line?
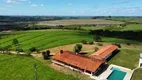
column 16, row 67
column 137, row 75
column 128, row 58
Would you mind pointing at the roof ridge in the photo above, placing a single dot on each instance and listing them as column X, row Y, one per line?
column 106, row 48
column 87, row 57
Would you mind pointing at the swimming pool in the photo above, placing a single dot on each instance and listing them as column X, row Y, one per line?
column 117, row 74
column 113, row 68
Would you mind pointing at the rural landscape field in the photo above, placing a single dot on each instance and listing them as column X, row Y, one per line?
column 70, row 40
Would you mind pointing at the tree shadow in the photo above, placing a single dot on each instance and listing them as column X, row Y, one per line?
column 113, row 54
column 102, row 68
column 83, row 53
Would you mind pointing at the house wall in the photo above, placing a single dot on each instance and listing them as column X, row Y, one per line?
column 72, row 68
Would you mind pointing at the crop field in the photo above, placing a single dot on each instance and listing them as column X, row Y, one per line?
column 129, row 27
column 44, row 39
column 16, row 67
column 137, row 20
column 132, row 27
column 78, row 22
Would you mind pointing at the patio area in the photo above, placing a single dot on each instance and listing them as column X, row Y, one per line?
column 122, row 73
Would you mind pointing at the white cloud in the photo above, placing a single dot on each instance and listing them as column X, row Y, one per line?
column 10, row 1
column 70, row 4
column 22, row 0
column 82, row 10
column 41, row 5
column 15, row 1
column 29, row 2
column 34, row 5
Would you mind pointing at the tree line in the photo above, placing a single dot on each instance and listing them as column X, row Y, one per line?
column 132, row 35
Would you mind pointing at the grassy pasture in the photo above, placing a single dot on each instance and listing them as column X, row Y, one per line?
column 132, row 27
column 138, row 20
column 78, row 22
column 16, row 67
column 129, row 27
column 48, row 39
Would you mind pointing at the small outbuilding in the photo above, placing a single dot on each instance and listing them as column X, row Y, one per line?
column 140, row 60
column 105, row 52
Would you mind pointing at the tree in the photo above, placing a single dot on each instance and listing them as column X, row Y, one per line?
column 46, row 54
column 91, row 42
column 84, row 42
column 117, row 44
column 19, row 50
column 109, row 16
column 15, row 42
column 77, row 48
column 99, row 44
column 96, row 49
column 97, row 38
column 7, row 48
column 32, row 49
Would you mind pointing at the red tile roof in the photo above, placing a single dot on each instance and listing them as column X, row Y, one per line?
column 79, row 61
column 104, row 52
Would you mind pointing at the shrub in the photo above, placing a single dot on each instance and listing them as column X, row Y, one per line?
column 99, row 44
column 91, row 42
column 28, row 53
column 84, row 42
column 15, row 41
column 32, row 49
column 96, row 49
column 77, row 48
column 19, row 50
column 128, row 43
column 117, row 44
column 46, row 54
column 97, row 38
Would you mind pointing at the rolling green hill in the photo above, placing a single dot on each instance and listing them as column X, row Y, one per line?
column 43, row 39
column 16, row 67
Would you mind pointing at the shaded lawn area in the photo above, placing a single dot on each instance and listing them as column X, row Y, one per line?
column 128, row 58
column 137, row 75
column 16, row 67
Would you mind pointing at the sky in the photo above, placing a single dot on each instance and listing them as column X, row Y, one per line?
column 71, row 7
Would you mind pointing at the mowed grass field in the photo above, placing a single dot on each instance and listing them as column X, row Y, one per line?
column 128, row 58
column 78, row 22
column 44, row 39
column 16, row 67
